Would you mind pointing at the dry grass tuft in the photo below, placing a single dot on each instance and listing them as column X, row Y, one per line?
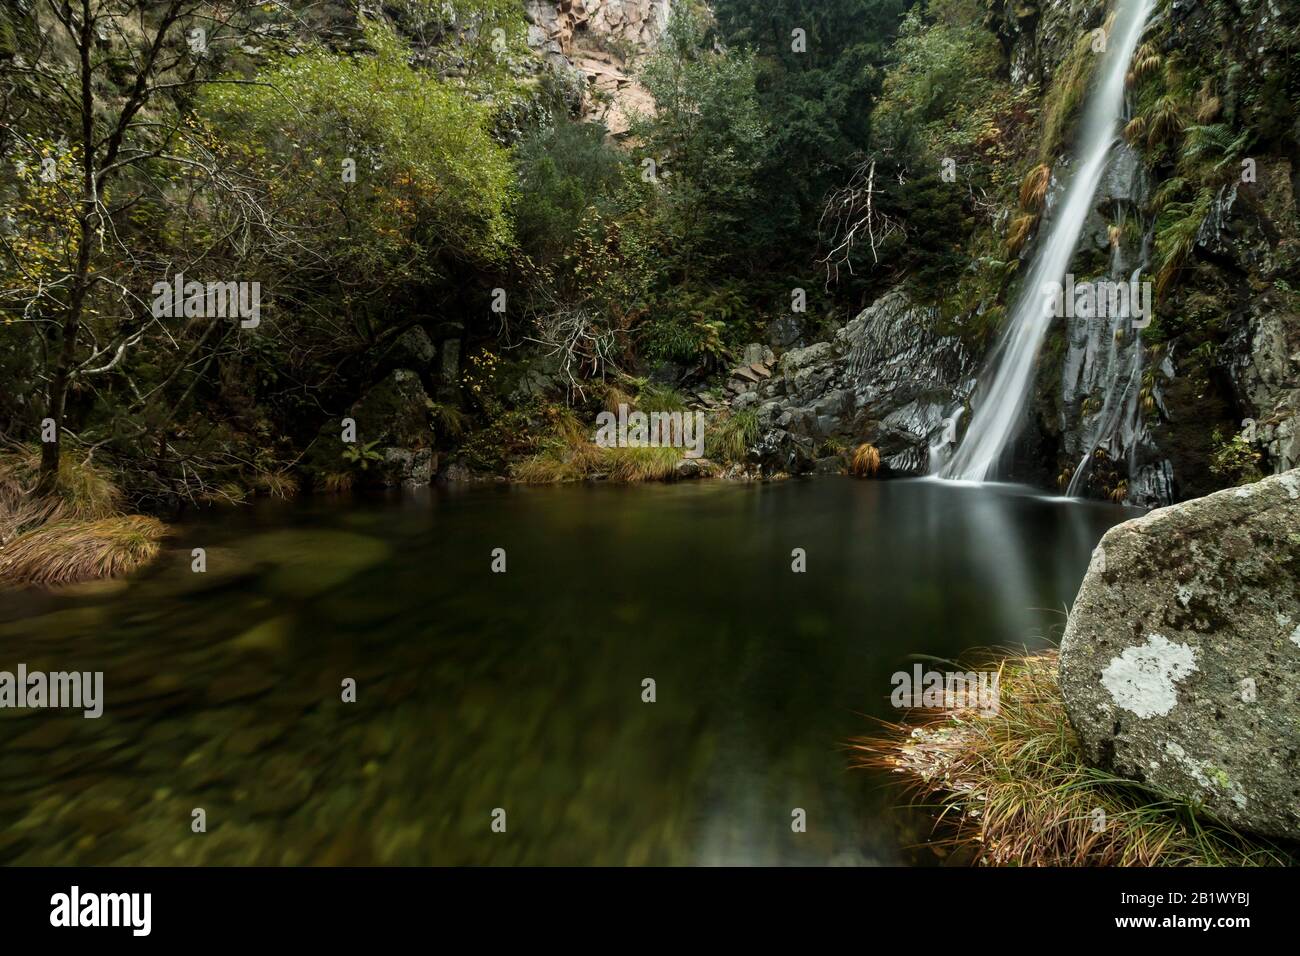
column 1135, row 131
column 1033, row 190
column 643, row 464
column 64, row 552
column 277, row 484
column 85, row 492
column 337, row 481
column 74, row 534
column 1019, row 231
column 569, row 454
column 865, row 461
column 1013, row 788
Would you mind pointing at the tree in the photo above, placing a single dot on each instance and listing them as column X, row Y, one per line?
column 819, row 66
column 704, row 139
column 114, row 69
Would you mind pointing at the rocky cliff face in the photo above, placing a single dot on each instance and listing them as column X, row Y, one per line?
column 1178, row 662
column 1037, row 36
column 888, row 377
column 599, row 41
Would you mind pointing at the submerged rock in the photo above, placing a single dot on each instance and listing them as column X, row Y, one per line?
column 306, row 563
column 1179, row 661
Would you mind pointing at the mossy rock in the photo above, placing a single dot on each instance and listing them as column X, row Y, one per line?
column 1178, row 660
column 395, row 413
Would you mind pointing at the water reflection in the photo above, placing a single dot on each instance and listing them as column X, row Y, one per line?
column 522, row 690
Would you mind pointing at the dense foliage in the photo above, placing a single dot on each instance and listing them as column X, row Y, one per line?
column 420, row 182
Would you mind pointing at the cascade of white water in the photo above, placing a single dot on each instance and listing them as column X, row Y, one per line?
column 998, row 408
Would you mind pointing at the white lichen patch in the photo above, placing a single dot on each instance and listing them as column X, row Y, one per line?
column 1206, row 775
column 1142, row 680
column 1295, row 636
column 1291, row 483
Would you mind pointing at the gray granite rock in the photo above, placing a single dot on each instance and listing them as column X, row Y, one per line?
column 1180, row 660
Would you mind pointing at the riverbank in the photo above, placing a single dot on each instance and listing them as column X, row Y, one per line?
column 1012, row 788
column 78, row 533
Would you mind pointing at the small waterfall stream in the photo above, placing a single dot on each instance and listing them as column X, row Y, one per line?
column 999, row 406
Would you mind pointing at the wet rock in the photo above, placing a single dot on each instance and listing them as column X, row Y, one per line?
column 176, row 575
column 396, row 416
column 888, row 377
column 1263, row 358
column 784, row 332
column 413, row 349
column 283, row 784
column 449, row 370
column 457, row 471
column 45, row 735
column 829, row 465
column 1178, row 662
column 693, row 468
column 101, row 588
column 252, row 739
column 409, row 468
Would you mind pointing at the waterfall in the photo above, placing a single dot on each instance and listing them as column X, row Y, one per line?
column 997, row 413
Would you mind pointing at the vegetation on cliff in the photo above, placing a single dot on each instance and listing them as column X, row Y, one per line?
column 415, row 191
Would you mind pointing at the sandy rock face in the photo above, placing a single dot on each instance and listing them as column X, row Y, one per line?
column 1181, row 659
column 601, row 40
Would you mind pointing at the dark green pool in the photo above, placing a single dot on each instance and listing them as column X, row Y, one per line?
column 521, row 691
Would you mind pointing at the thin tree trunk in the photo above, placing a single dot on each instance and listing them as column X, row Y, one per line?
column 56, row 397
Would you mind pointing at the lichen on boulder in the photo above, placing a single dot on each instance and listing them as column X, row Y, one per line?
column 1180, row 659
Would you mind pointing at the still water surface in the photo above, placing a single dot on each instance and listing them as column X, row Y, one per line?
column 522, row 691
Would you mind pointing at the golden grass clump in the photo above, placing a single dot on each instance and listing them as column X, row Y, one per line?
column 337, row 482
column 65, row 552
column 865, row 461
column 1208, row 106
column 1164, row 121
column 569, row 453
column 730, row 435
column 277, row 484
column 1033, row 189
column 1146, row 61
column 85, row 491
column 1135, row 130
column 1018, row 232
column 74, row 534
column 643, row 464
column 1012, row 787
column 614, row 397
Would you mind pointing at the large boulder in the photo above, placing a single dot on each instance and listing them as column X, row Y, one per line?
column 1180, row 659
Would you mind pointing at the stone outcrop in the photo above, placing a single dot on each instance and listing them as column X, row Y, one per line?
column 1254, row 230
column 395, row 415
column 888, row 377
column 1180, row 657
column 600, row 40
